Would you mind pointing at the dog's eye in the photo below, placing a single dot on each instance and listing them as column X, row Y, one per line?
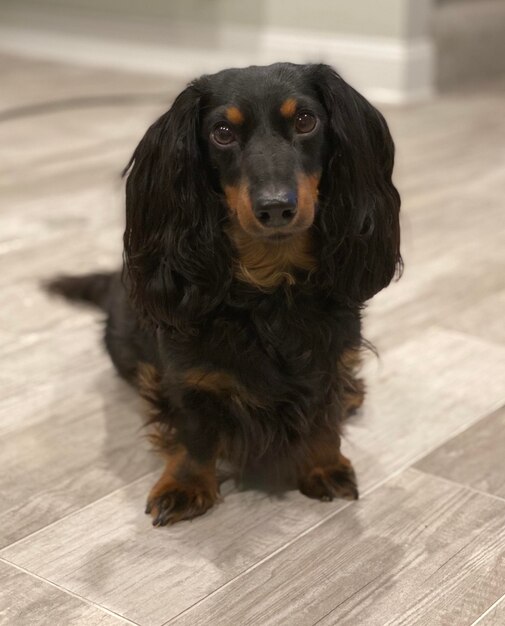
column 305, row 122
column 222, row 134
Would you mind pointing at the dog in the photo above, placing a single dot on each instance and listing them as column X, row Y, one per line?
column 260, row 218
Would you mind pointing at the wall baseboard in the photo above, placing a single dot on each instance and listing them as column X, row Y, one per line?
column 385, row 70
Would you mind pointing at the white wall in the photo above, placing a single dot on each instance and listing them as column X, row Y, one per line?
column 383, row 47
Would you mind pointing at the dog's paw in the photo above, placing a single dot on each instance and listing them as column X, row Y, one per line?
column 334, row 481
column 180, row 501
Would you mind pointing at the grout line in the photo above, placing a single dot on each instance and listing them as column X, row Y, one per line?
column 412, row 462
column 366, row 492
column 284, row 546
column 457, row 484
column 68, row 592
column 487, row 611
column 83, row 508
column 459, row 431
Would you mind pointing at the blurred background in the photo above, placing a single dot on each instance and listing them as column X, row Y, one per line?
column 394, row 50
column 80, row 80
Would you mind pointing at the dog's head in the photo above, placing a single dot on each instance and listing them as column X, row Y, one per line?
column 273, row 152
column 264, row 131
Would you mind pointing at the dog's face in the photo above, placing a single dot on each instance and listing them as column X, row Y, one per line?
column 264, row 131
column 272, row 152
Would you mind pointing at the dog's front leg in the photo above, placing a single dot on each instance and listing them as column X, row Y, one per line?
column 324, row 472
column 187, row 487
column 187, row 434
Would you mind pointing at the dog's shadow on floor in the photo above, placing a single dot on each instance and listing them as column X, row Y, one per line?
column 125, row 448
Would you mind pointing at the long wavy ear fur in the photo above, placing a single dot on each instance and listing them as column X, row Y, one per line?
column 358, row 222
column 176, row 258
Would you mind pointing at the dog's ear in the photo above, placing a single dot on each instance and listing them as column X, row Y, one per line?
column 175, row 255
column 359, row 215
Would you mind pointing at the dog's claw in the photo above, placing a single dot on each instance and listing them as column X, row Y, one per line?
column 330, row 482
column 179, row 504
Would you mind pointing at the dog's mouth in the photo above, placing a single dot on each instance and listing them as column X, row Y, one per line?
column 279, row 236
column 268, row 235
column 252, row 227
column 255, row 230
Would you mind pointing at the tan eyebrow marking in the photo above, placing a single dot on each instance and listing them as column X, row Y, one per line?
column 288, row 107
column 234, row 115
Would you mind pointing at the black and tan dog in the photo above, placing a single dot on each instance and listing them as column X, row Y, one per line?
column 260, row 217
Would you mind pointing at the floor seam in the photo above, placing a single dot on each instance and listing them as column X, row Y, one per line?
column 75, row 512
column 409, row 465
column 463, row 485
column 284, row 546
column 315, row 526
column 68, row 592
column 487, row 611
column 458, row 432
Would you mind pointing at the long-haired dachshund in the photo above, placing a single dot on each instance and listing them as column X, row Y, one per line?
column 260, row 217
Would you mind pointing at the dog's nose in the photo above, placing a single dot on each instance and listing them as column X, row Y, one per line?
column 275, row 210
